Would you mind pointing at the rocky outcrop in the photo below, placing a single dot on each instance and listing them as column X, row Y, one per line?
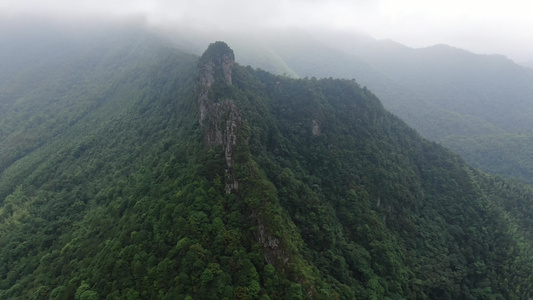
column 224, row 122
column 316, row 127
column 216, row 64
column 222, row 119
column 273, row 251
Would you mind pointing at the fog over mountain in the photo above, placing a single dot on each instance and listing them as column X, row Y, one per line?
column 481, row 27
column 396, row 51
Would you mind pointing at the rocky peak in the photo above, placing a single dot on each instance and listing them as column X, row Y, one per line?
column 222, row 119
column 216, row 64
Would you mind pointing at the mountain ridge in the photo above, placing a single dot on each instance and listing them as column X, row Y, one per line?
column 336, row 197
column 442, row 91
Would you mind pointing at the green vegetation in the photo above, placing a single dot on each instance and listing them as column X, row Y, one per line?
column 108, row 190
column 508, row 155
column 448, row 95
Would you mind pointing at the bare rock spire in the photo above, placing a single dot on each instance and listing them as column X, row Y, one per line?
column 222, row 119
column 216, row 64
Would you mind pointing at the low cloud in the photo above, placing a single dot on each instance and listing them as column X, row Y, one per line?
column 480, row 26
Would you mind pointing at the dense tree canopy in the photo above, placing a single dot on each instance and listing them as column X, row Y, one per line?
column 463, row 100
column 109, row 191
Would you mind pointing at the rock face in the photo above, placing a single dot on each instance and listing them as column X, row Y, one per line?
column 222, row 118
column 216, row 64
column 316, row 128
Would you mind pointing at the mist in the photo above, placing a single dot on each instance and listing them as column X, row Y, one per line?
column 480, row 27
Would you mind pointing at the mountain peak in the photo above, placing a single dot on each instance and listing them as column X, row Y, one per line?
column 223, row 118
column 216, row 64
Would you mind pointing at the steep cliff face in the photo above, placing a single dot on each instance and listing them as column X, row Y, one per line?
column 216, row 64
column 222, row 118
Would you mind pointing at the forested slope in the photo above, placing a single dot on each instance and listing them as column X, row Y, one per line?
column 155, row 174
column 449, row 95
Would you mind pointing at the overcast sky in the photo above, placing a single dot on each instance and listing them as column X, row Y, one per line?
column 481, row 26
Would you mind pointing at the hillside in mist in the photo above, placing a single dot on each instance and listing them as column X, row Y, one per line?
column 449, row 95
column 528, row 64
column 133, row 169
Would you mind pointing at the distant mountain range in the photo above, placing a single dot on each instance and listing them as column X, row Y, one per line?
column 528, row 64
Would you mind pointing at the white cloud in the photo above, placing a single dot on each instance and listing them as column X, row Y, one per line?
column 481, row 26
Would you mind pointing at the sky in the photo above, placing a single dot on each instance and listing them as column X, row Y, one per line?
column 480, row 26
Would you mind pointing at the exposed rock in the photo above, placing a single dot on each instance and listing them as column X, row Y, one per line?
column 204, row 103
column 227, row 66
column 222, row 118
column 223, row 125
column 207, row 72
column 216, row 64
column 223, row 121
column 316, row 128
column 273, row 251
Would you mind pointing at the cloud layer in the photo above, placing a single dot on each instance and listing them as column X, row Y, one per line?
column 479, row 26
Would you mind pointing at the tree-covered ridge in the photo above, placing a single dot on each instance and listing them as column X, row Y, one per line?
column 509, row 155
column 447, row 94
column 366, row 167
column 336, row 197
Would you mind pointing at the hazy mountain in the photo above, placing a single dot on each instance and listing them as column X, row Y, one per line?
column 471, row 96
column 443, row 92
column 528, row 64
column 492, row 88
column 134, row 170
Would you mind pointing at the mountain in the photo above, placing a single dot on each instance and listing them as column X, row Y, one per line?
column 443, row 92
column 134, row 170
column 506, row 154
column 528, row 64
column 490, row 87
column 473, row 97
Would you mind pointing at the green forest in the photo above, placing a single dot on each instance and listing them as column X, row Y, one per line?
column 131, row 169
column 449, row 95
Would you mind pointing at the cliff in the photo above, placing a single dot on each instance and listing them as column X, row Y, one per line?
column 221, row 117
